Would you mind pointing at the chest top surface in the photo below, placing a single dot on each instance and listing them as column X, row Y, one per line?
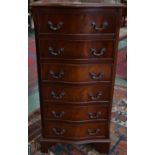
column 78, row 3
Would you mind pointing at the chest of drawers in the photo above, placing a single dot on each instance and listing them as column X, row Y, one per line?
column 76, row 44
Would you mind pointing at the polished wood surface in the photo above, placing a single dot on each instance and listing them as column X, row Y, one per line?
column 76, row 44
column 71, row 22
column 78, row 3
column 75, row 131
column 72, row 113
column 81, row 50
column 78, row 93
column 73, row 73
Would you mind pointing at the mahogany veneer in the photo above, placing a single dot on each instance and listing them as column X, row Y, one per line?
column 72, row 72
column 76, row 44
column 75, row 113
column 75, row 131
column 76, row 49
column 75, row 93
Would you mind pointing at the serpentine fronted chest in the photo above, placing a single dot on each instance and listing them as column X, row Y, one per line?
column 76, row 42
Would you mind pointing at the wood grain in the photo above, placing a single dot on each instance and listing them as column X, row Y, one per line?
column 78, row 93
column 69, row 88
column 76, row 22
column 76, row 73
column 75, row 131
column 75, row 49
column 72, row 113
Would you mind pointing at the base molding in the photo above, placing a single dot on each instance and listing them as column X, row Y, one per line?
column 101, row 145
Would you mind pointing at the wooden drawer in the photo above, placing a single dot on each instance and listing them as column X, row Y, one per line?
column 75, row 93
column 76, row 72
column 75, row 131
column 75, row 113
column 72, row 21
column 71, row 49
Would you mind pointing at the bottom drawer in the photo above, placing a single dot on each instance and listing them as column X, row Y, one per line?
column 75, row 131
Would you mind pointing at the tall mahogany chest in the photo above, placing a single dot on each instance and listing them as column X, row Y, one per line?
column 76, row 42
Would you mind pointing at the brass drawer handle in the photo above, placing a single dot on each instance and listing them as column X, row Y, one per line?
column 93, row 132
column 94, row 98
column 55, row 28
column 57, row 97
column 104, row 26
column 58, row 75
column 94, row 116
column 96, row 76
column 100, row 53
column 58, row 114
column 54, row 52
column 58, row 131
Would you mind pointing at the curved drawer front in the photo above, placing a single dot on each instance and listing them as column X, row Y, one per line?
column 76, row 73
column 76, row 93
column 69, row 49
column 76, row 22
column 75, row 113
column 75, row 131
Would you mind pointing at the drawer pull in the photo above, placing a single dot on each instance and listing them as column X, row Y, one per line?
column 56, row 75
column 58, row 114
column 58, row 131
column 96, row 76
column 94, row 98
column 54, row 52
column 93, row 132
column 55, row 28
column 95, row 53
column 104, row 26
column 94, row 116
column 57, row 97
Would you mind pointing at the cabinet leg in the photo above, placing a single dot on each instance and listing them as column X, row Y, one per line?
column 102, row 147
column 46, row 146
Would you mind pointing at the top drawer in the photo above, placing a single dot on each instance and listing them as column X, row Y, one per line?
column 77, row 21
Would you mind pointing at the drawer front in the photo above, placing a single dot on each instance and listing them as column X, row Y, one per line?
column 75, row 113
column 75, row 131
column 69, row 49
column 75, row 93
column 68, row 22
column 76, row 73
